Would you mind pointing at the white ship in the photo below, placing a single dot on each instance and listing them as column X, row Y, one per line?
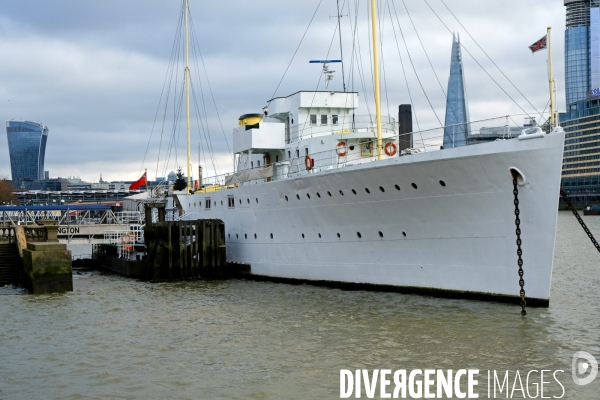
column 325, row 196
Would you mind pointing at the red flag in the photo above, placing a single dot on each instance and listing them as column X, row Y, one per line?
column 140, row 182
column 539, row 45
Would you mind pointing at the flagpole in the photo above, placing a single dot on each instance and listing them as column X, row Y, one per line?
column 146, row 175
column 551, row 78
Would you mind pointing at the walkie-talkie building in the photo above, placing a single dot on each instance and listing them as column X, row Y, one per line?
column 457, row 125
column 27, row 148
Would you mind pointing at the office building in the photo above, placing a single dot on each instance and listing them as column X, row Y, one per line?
column 457, row 126
column 581, row 162
column 26, row 148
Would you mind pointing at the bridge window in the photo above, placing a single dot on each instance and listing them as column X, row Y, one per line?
column 313, row 119
column 323, row 119
column 334, row 119
column 366, row 149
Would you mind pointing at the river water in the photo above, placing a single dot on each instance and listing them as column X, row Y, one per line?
column 119, row 338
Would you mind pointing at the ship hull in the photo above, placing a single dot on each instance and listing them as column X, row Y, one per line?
column 450, row 229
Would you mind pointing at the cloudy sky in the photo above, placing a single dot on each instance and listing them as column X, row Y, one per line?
column 94, row 71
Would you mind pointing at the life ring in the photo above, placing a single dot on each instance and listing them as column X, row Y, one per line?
column 309, row 163
column 342, row 149
column 390, row 149
column 125, row 238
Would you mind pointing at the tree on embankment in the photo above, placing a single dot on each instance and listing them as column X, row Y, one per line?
column 7, row 193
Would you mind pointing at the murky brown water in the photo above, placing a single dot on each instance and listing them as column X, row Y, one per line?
column 119, row 338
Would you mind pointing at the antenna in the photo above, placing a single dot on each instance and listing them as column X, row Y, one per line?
column 328, row 73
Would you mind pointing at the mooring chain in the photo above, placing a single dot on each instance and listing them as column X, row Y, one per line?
column 576, row 214
column 519, row 251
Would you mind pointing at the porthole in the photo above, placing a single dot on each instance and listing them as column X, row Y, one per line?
column 380, row 234
column 256, row 200
column 286, row 198
column 303, row 236
column 367, row 190
column 329, row 193
column 353, row 191
column 319, row 236
column 255, row 236
column 397, row 187
column 358, row 234
column 382, row 189
column 248, row 200
column 338, row 235
column 308, row 195
column 298, row 196
column 240, row 201
column 342, row 193
column 229, row 236
column 221, row 202
column 214, row 203
column 271, row 236
column 351, row 147
column 318, row 195
column 245, row 236
column 236, row 236
column 404, row 234
column 442, row 183
column 414, row 185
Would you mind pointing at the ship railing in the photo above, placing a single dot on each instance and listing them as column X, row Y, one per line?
column 426, row 140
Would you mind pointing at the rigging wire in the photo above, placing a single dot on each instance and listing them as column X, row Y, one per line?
column 404, row 73
column 210, row 88
column 172, row 63
column 478, row 63
column 296, row 51
column 486, row 54
column 413, row 65
column 175, row 40
column 430, row 63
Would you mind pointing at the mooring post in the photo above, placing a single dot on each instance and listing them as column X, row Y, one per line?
column 170, row 249
column 181, row 243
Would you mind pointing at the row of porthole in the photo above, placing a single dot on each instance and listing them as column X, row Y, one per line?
column 381, row 188
column 358, row 234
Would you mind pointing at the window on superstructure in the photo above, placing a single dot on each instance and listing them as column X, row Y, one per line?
column 231, row 202
column 334, row 119
column 323, row 119
column 251, row 164
column 207, row 204
column 258, row 163
column 289, row 154
column 366, row 149
column 306, row 151
column 313, row 119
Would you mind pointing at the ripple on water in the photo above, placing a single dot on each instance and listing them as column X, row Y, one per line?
column 114, row 337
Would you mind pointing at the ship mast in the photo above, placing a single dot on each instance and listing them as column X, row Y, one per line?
column 376, row 75
column 187, row 100
column 551, row 80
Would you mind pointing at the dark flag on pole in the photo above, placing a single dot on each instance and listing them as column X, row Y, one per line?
column 539, row 45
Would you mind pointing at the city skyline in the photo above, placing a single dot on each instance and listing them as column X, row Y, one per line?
column 98, row 84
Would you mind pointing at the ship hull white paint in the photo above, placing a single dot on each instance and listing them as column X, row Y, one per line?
column 458, row 238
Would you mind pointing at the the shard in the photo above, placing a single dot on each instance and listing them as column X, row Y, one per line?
column 457, row 126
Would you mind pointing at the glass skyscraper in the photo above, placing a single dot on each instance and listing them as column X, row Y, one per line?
column 457, row 126
column 27, row 148
column 577, row 50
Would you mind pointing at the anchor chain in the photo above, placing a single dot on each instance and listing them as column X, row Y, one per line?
column 519, row 250
column 576, row 214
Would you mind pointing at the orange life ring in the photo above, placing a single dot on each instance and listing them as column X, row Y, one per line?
column 309, row 163
column 390, row 149
column 125, row 238
column 342, row 149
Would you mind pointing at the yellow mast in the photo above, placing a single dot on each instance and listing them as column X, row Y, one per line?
column 376, row 74
column 187, row 100
column 551, row 78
